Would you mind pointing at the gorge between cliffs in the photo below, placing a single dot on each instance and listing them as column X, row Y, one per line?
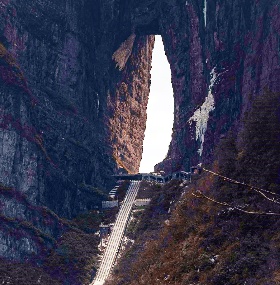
column 74, row 89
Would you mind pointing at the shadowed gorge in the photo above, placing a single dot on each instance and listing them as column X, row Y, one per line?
column 74, row 87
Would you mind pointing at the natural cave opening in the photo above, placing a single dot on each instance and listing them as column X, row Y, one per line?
column 160, row 110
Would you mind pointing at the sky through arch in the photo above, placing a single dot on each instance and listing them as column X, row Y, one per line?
column 159, row 112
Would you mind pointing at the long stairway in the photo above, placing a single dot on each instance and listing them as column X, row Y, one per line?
column 116, row 235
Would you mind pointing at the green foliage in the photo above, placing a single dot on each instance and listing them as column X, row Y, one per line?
column 18, row 273
column 5, row 188
column 122, row 189
column 202, row 242
column 94, row 190
column 109, row 215
column 259, row 147
column 89, row 222
column 226, row 155
column 73, row 258
column 71, row 261
column 133, row 225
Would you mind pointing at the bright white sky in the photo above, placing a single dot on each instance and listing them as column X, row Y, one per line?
column 160, row 111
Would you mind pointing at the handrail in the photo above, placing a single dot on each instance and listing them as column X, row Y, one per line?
column 141, row 176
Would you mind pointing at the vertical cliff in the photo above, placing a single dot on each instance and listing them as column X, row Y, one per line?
column 224, row 58
column 66, row 110
column 128, row 106
column 70, row 117
column 222, row 54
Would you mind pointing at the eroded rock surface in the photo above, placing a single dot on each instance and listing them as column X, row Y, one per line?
column 70, row 118
column 64, row 129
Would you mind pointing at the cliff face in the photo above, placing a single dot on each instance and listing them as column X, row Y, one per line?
column 128, row 106
column 66, row 111
column 69, row 118
column 222, row 56
column 65, row 97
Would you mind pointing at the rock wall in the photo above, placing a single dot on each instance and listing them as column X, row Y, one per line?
column 222, row 56
column 27, row 231
column 70, row 118
column 128, row 106
column 64, row 95
column 64, row 130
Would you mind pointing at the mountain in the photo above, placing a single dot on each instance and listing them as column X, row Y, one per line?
column 75, row 78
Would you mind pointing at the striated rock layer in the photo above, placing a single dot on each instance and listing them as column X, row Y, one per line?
column 70, row 118
column 128, row 106
column 66, row 111
column 222, row 56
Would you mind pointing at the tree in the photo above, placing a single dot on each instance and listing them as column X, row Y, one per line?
column 259, row 148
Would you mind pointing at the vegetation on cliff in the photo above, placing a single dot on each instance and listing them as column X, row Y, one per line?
column 71, row 258
column 204, row 242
